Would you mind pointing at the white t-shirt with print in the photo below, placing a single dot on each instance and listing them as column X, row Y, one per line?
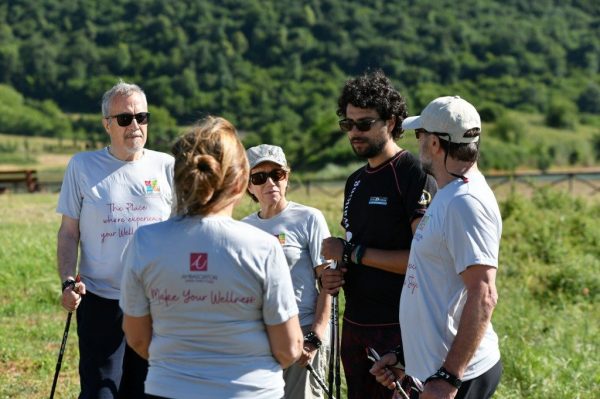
column 300, row 229
column 462, row 227
column 211, row 285
column 111, row 199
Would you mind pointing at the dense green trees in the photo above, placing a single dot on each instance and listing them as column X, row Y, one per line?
column 275, row 67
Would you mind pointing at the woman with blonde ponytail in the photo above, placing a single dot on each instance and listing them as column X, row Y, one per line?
column 207, row 299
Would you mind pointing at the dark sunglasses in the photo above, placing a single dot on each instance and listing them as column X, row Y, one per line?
column 419, row 132
column 364, row 125
column 126, row 119
column 260, row 178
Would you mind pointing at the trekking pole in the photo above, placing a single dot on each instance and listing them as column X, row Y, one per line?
column 319, row 381
column 334, row 355
column 332, row 351
column 338, row 381
column 374, row 357
column 62, row 346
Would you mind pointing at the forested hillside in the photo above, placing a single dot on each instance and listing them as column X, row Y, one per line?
column 275, row 68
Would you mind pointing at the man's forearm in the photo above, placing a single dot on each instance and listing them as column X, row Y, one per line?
column 67, row 252
column 476, row 316
column 322, row 314
column 393, row 261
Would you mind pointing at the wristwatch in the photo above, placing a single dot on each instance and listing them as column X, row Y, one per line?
column 312, row 338
column 68, row 283
column 443, row 374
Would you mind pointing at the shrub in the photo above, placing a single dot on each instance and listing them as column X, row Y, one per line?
column 589, row 99
column 508, row 130
column 491, row 112
column 561, row 113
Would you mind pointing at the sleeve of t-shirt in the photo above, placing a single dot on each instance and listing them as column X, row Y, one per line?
column 70, row 198
column 169, row 172
column 471, row 234
column 420, row 190
column 133, row 299
column 318, row 231
column 279, row 302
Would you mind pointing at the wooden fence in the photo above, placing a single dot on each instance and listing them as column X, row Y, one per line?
column 581, row 183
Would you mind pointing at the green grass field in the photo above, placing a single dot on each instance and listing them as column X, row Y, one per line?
column 547, row 316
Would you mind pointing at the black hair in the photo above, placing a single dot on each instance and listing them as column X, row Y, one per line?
column 375, row 91
column 466, row 152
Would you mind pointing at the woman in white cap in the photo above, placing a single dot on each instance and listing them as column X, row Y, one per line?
column 206, row 298
column 300, row 230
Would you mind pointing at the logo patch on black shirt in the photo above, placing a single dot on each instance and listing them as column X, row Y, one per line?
column 425, row 198
column 378, row 201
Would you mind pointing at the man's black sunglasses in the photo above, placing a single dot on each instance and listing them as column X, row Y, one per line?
column 364, row 125
column 419, row 132
column 260, row 178
column 126, row 119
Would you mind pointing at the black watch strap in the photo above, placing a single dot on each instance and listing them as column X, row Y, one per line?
column 313, row 339
column 443, row 374
column 347, row 252
column 68, row 283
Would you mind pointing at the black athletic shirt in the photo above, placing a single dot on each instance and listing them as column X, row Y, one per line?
column 379, row 206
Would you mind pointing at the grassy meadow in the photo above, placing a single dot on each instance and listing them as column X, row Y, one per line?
column 549, row 277
column 547, row 318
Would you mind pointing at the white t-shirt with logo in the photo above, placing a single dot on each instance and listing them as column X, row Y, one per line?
column 111, row 199
column 462, row 227
column 300, row 229
column 211, row 285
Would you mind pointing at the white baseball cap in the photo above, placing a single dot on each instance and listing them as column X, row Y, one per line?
column 451, row 115
column 266, row 153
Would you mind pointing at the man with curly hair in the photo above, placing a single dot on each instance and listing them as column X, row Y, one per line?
column 383, row 204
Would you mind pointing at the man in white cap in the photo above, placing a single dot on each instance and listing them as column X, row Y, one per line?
column 449, row 292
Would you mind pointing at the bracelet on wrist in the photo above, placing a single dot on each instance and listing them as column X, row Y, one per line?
column 313, row 339
column 347, row 252
column 443, row 374
column 68, row 283
column 359, row 251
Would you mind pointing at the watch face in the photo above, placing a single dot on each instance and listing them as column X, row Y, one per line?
column 312, row 338
column 443, row 374
column 68, row 283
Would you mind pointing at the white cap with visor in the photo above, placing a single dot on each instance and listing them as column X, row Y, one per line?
column 451, row 116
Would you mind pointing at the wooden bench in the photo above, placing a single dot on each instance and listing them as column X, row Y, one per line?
column 16, row 177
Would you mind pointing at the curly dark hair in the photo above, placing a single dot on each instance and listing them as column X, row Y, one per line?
column 374, row 90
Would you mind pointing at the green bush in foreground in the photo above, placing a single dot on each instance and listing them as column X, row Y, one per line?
column 548, row 284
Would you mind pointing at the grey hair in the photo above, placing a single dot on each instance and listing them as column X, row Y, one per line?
column 120, row 89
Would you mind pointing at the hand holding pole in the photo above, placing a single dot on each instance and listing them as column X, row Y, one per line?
column 64, row 342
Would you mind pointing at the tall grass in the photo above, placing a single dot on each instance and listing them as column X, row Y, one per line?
column 547, row 318
column 549, row 284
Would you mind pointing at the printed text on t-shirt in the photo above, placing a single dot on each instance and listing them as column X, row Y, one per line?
column 163, row 296
column 127, row 214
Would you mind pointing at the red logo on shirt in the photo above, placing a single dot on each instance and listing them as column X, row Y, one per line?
column 198, row 262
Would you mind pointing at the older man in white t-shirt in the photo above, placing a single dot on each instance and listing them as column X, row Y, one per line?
column 106, row 195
